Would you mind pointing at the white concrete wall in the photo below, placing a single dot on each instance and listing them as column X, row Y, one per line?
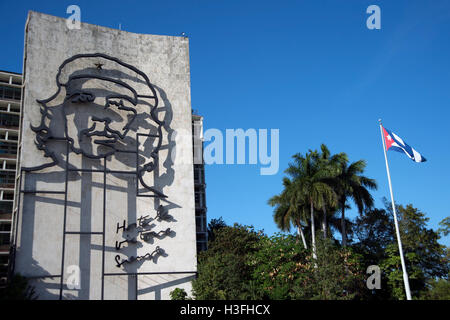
column 165, row 60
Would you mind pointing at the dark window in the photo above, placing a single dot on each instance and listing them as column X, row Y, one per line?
column 201, row 246
column 9, row 120
column 7, row 148
column 17, row 93
column 200, row 223
column 201, row 236
column 4, row 259
column 6, row 207
column 10, row 93
column 4, row 238
column 5, row 226
column 199, row 175
column 196, row 175
column 7, row 178
column 10, row 166
column 8, row 196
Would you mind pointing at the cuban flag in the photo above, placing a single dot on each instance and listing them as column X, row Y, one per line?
column 394, row 142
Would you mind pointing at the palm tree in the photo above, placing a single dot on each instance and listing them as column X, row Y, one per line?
column 289, row 209
column 329, row 165
column 309, row 181
column 350, row 183
column 333, row 223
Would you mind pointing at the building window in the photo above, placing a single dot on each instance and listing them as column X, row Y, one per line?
column 7, row 148
column 5, row 226
column 7, row 179
column 8, row 196
column 4, row 238
column 4, row 263
column 201, row 246
column 10, row 93
column 199, row 174
column 10, row 166
column 196, row 175
column 9, row 120
column 200, row 223
column 6, row 207
column 199, row 198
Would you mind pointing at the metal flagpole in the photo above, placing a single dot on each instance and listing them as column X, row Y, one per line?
column 399, row 240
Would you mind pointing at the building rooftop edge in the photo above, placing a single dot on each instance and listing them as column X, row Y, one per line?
column 33, row 12
column 11, row 72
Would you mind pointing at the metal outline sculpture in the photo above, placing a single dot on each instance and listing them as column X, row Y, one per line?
column 44, row 134
column 147, row 235
column 157, row 252
column 124, row 227
column 119, row 244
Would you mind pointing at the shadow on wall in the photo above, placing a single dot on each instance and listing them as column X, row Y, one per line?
column 158, row 288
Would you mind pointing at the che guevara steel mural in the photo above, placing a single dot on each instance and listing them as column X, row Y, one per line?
column 94, row 113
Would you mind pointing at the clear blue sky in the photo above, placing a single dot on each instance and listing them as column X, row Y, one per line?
column 309, row 68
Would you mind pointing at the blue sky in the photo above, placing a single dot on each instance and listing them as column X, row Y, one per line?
column 311, row 69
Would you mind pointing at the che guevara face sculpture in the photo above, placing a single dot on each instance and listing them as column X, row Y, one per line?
column 103, row 117
column 96, row 105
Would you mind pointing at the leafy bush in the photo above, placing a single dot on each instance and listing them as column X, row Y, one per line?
column 178, row 294
column 222, row 270
column 438, row 290
column 18, row 289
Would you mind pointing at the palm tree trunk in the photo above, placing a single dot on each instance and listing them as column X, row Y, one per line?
column 343, row 231
column 313, row 237
column 324, row 222
column 302, row 235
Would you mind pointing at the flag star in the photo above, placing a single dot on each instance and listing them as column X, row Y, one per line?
column 389, row 137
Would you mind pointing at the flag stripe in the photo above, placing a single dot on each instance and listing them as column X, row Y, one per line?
column 395, row 143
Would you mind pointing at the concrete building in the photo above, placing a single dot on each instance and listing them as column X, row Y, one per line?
column 10, row 98
column 107, row 207
column 200, row 183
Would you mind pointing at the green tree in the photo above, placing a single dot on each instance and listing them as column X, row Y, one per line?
column 338, row 275
column 213, row 226
column 277, row 263
column 18, row 289
column 438, row 289
column 283, row 270
column 425, row 257
column 445, row 227
column 309, row 181
column 179, row 294
column 329, row 166
column 350, row 183
column 290, row 209
column 374, row 230
column 222, row 269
